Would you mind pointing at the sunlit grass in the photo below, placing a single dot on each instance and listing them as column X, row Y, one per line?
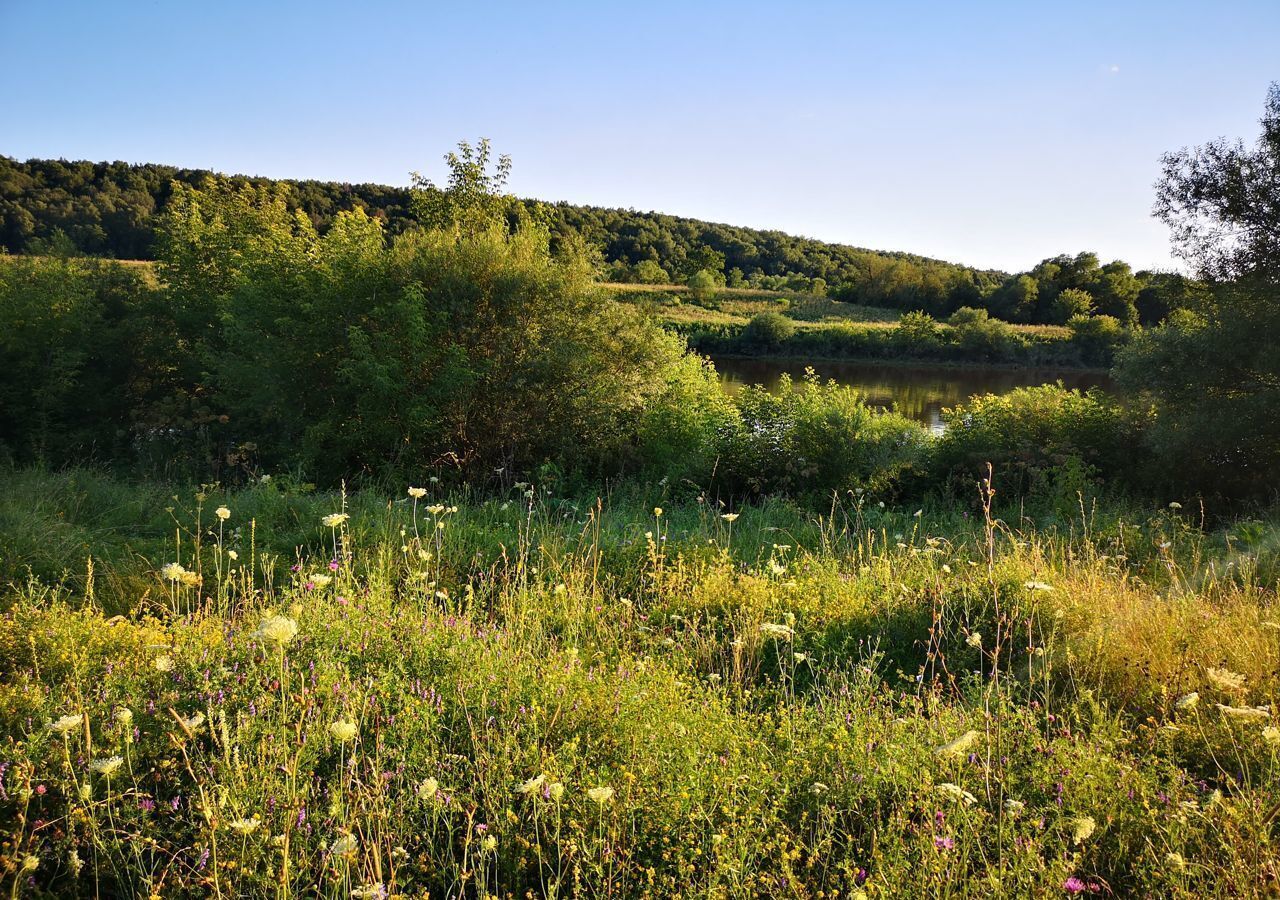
column 528, row 694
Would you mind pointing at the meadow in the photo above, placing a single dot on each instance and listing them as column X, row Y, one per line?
column 277, row 691
column 354, row 562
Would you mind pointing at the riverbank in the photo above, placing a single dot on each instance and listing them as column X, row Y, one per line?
column 983, row 342
column 795, row 362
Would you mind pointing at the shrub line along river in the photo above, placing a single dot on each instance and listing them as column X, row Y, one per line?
column 918, row 391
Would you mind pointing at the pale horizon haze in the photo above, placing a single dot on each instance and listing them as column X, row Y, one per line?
column 993, row 134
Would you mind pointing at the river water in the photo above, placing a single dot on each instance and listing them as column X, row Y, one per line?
column 921, row 392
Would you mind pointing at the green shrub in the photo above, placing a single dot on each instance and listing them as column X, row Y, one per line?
column 1097, row 337
column 1028, row 434
column 811, row 440
column 769, row 330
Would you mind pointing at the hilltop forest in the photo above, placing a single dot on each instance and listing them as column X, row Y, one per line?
column 113, row 209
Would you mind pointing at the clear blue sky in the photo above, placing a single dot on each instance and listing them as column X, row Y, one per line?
column 991, row 133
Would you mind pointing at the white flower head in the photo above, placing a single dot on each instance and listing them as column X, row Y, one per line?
column 108, row 766
column 66, row 724
column 344, row 730
column 532, row 785
column 279, row 630
column 956, row 793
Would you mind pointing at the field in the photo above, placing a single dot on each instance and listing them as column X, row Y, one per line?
column 274, row 691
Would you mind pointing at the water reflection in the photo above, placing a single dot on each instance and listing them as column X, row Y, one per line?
column 921, row 392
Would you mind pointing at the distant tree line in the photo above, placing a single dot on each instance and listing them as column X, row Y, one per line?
column 113, row 210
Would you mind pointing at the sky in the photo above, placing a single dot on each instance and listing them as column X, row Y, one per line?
column 994, row 134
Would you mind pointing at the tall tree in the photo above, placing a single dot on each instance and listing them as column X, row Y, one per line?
column 1222, row 202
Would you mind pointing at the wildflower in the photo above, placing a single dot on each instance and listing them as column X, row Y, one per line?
column 333, row 520
column 974, row 640
column 244, row 826
column 30, row 862
column 601, row 795
column 124, row 716
column 729, row 517
column 279, row 630
column 108, row 766
column 417, row 493
column 957, row 793
column 489, row 844
column 1271, row 734
column 435, row 509
column 958, row 747
column 66, row 724
column 319, row 581
column 946, row 569
column 1037, row 586
column 555, row 791
column 344, row 844
column 233, row 554
column 371, row 891
column 428, row 788
column 1082, row 828
column 818, row 789
column 344, row 730
column 193, row 724
column 1187, row 701
column 1247, row 714
column 1175, row 505
column 657, row 510
column 1175, row 861
column 532, row 785
column 190, row 579
column 1073, row 885
column 222, row 513
column 779, row 632
column 1225, row 680
column 944, row 843
column 163, row 663
column 173, row 572
column 1013, row 807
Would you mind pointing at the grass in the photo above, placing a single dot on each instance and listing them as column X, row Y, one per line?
column 635, row 695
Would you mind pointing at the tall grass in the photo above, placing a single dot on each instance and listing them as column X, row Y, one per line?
column 534, row 695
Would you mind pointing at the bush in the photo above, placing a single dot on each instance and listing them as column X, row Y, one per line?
column 769, row 330
column 1097, row 337
column 1213, row 380
column 1030, row 434
column 812, row 440
column 982, row 337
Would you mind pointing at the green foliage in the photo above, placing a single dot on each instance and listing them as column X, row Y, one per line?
column 769, row 330
column 1222, row 202
column 1028, row 435
column 1211, row 372
column 1213, row 381
column 1097, row 337
column 816, row 440
column 649, row 272
column 917, row 330
column 72, row 343
column 474, row 199
column 703, row 285
column 111, row 209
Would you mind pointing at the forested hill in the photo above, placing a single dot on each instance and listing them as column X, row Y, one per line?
column 110, row 209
